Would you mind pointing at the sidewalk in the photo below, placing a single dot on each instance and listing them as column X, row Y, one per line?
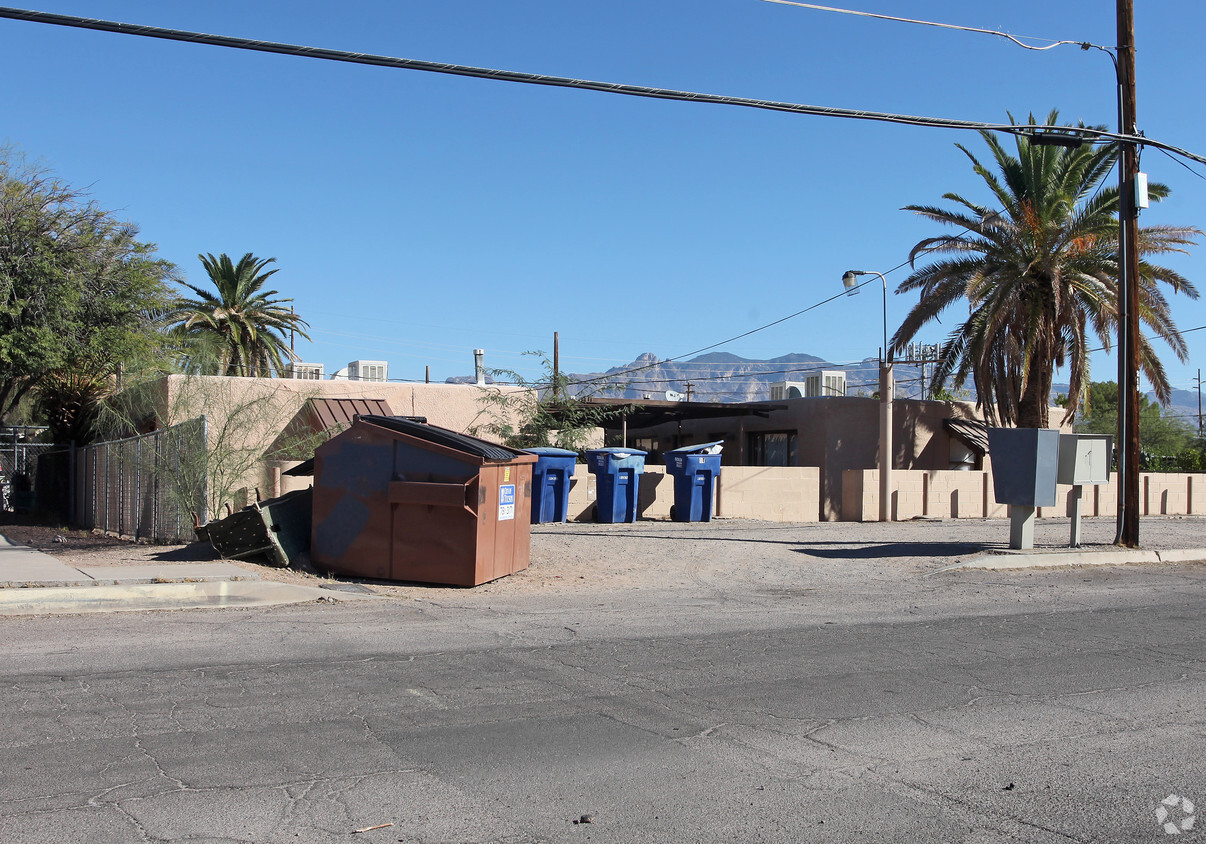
column 26, row 574
column 732, row 555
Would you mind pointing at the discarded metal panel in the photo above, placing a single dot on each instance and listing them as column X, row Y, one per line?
column 276, row 530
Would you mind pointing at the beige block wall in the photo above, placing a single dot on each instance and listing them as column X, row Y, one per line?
column 655, row 495
column 773, row 493
column 956, row 494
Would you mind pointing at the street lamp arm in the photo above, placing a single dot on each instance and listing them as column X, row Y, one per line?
column 848, row 279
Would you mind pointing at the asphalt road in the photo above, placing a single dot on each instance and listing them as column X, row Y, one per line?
column 967, row 706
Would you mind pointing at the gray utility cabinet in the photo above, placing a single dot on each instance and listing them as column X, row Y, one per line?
column 1024, row 464
column 1084, row 459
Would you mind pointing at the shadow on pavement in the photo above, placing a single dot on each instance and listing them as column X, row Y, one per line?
column 846, row 551
column 197, row 552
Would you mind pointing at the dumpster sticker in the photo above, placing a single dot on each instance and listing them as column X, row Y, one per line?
column 506, row 502
column 506, row 474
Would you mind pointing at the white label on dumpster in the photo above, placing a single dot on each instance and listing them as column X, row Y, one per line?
column 506, row 502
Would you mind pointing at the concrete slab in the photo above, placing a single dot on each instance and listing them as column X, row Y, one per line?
column 1071, row 557
column 163, row 596
column 173, row 573
column 22, row 566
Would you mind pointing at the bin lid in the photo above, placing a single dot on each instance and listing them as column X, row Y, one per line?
column 444, row 437
column 549, row 451
column 698, row 448
column 618, row 452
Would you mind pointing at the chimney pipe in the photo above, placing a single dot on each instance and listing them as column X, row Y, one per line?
column 479, row 371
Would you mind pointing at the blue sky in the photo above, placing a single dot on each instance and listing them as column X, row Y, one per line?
column 415, row 217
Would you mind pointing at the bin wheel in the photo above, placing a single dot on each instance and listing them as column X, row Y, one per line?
column 673, row 513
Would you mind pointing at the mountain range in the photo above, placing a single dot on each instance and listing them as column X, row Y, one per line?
column 723, row 377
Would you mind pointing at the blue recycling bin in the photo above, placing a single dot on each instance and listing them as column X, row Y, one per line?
column 617, row 481
column 694, row 468
column 551, row 483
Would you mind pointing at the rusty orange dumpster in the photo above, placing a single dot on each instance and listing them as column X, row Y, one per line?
column 397, row 499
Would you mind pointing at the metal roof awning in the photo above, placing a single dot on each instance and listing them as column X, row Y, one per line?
column 650, row 413
column 330, row 413
column 971, row 432
column 320, row 415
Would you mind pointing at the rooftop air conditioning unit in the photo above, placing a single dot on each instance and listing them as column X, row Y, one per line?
column 305, row 371
column 787, row 390
column 368, row 370
column 825, row 383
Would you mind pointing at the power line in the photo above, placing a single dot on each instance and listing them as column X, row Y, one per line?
column 233, row 42
column 1084, row 45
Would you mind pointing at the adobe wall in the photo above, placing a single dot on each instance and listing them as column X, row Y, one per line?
column 244, row 417
column 833, row 434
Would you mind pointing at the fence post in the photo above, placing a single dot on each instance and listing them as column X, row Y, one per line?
column 71, row 484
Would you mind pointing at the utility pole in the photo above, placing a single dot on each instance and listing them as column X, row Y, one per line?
column 556, row 366
column 1199, row 404
column 1128, row 282
column 689, row 387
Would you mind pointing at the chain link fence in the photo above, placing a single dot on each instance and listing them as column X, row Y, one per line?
column 145, row 487
column 20, row 459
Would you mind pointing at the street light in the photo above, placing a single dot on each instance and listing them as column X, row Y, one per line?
column 886, row 387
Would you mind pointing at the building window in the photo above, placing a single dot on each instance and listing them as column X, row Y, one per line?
column 772, row 448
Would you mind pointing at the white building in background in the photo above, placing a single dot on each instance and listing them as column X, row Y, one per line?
column 305, row 371
column 363, row 370
column 828, row 382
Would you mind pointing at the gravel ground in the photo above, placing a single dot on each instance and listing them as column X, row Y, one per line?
column 759, row 556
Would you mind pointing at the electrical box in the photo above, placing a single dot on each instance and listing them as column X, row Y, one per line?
column 1084, row 459
column 1024, row 462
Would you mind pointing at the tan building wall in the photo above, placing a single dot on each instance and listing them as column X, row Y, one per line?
column 833, row 434
column 246, row 416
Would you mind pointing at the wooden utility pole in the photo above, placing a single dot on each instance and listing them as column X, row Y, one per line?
column 556, row 366
column 1199, row 404
column 1128, row 293
column 690, row 387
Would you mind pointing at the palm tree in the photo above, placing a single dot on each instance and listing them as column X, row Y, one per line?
column 1039, row 272
column 242, row 325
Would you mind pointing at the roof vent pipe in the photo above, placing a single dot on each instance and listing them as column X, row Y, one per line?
column 479, row 371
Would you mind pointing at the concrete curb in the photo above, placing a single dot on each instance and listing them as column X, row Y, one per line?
column 50, row 573
column 164, row 596
column 1002, row 560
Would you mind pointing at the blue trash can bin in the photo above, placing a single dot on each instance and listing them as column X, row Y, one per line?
column 617, row 482
column 551, row 483
column 694, row 469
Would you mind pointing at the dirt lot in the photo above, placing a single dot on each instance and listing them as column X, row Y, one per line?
column 723, row 555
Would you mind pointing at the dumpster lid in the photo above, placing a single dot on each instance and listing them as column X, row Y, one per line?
column 549, row 451
column 618, row 452
column 698, row 448
column 443, row 436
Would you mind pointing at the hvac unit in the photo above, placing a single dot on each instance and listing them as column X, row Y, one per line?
column 305, row 371
column 825, row 383
column 787, row 390
column 368, row 370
